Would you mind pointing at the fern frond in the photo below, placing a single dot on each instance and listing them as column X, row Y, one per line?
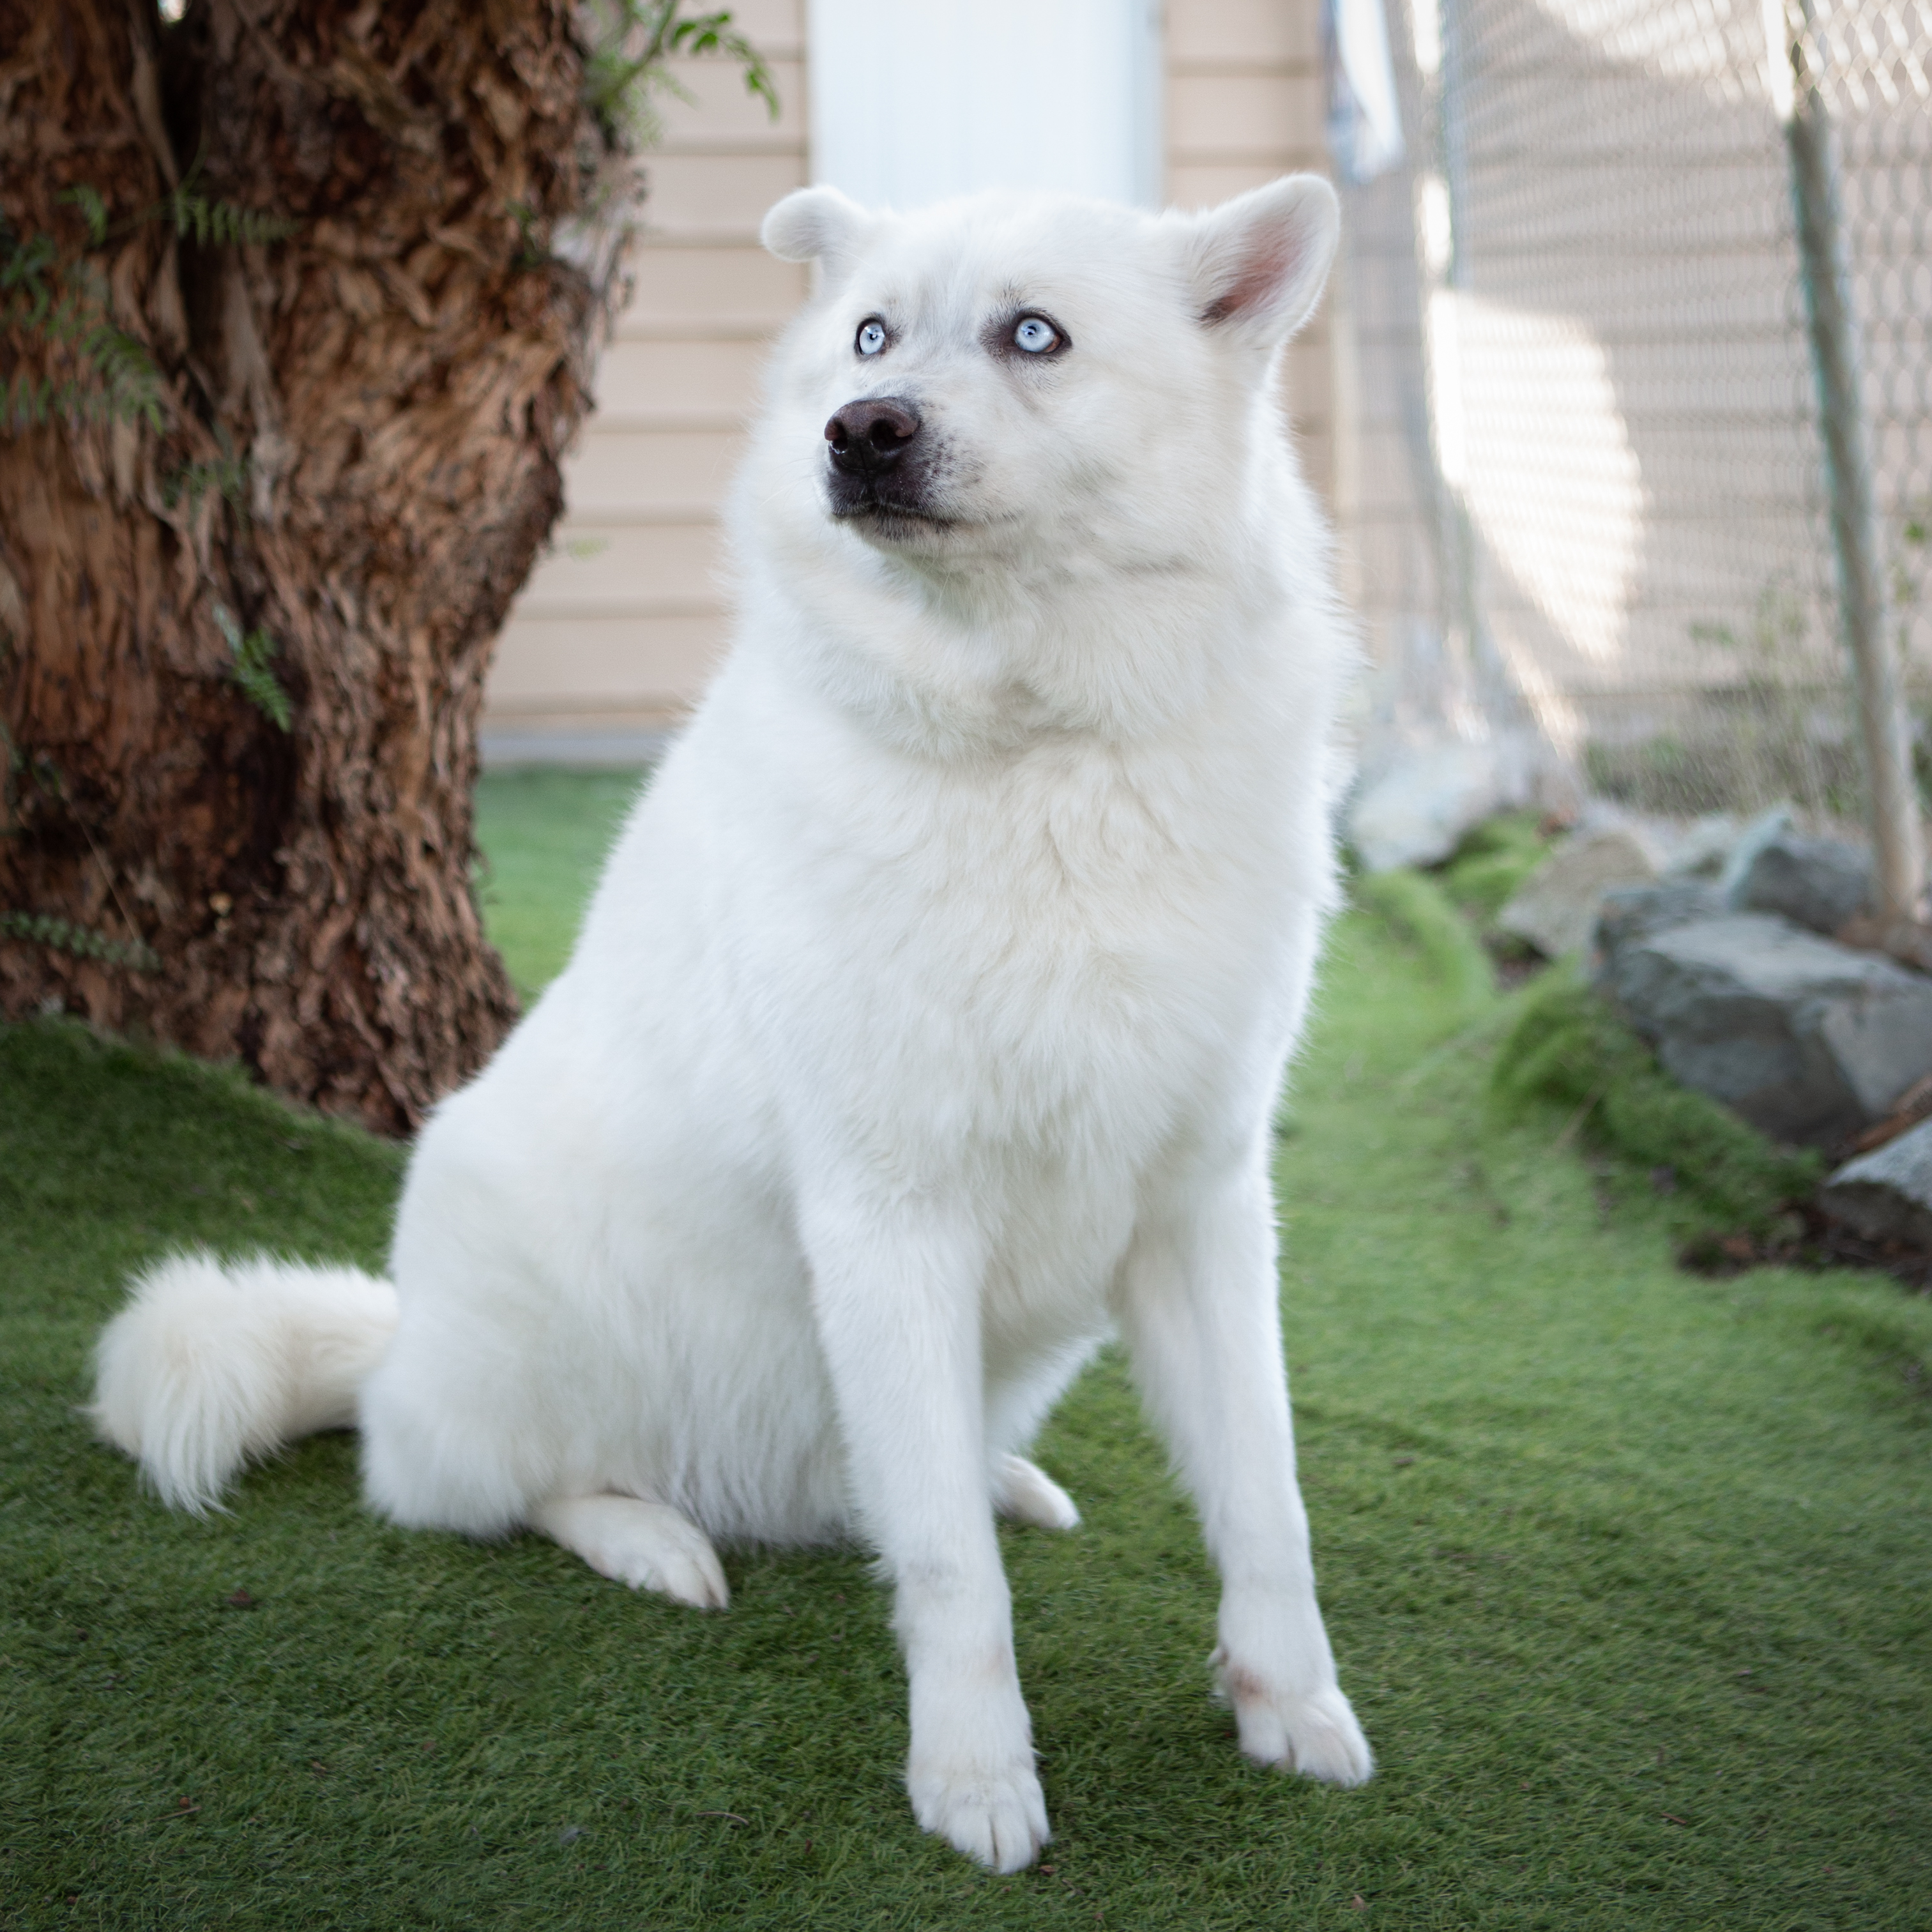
column 252, row 656
column 227, row 473
column 23, row 265
column 93, row 209
column 223, row 223
column 81, row 942
column 131, row 384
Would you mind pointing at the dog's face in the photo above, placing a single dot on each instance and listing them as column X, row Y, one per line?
column 1005, row 377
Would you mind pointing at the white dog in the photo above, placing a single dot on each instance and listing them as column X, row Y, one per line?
column 927, row 1023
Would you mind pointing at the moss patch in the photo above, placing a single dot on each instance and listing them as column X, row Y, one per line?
column 1566, row 1046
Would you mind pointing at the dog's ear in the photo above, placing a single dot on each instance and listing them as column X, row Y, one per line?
column 820, row 225
column 1257, row 264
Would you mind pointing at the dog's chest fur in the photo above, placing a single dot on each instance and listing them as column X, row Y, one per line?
column 1072, row 953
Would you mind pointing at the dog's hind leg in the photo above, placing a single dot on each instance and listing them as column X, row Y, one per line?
column 1199, row 1303
column 648, row 1545
column 1024, row 1491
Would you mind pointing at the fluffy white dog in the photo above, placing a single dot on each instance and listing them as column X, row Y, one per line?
column 927, row 1023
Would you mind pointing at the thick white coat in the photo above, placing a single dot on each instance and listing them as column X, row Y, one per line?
column 929, row 1018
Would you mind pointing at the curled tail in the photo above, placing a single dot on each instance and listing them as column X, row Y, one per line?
column 213, row 1363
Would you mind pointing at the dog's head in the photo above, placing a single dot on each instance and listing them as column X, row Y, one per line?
column 1005, row 377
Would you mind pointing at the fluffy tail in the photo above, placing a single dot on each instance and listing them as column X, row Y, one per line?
column 213, row 1363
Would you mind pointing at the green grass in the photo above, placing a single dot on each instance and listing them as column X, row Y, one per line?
column 544, row 833
column 1626, row 1569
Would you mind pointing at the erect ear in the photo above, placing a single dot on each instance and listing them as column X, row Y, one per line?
column 1257, row 263
column 817, row 224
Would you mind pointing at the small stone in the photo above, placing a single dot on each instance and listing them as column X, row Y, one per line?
column 1554, row 910
column 1416, row 812
column 1819, row 883
column 1886, row 1196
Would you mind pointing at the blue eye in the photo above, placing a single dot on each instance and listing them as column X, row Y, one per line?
column 1036, row 335
column 871, row 336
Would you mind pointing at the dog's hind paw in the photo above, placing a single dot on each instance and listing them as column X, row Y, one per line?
column 649, row 1546
column 1026, row 1493
column 1315, row 1735
column 997, row 1818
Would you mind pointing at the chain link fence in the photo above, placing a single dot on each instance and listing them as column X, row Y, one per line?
column 1592, row 496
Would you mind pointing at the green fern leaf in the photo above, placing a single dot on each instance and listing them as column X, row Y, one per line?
column 252, row 656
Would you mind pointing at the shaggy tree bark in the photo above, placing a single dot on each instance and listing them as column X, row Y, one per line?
column 323, row 510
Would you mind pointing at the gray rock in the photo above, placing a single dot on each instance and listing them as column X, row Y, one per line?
column 1819, row 883
column 1808, row 1040
column 1745, row 847
column 1416, row 812
column 1886, row 1195
column 1554, row 909
column 1631, row 912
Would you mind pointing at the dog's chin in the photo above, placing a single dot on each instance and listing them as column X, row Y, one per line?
column 896, row 526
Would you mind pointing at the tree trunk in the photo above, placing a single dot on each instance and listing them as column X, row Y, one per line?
column 342, row 475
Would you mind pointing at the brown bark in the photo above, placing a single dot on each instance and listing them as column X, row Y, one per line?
column 398, row 378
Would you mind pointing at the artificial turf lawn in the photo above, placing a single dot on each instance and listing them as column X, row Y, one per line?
column 1626, row 1569
column 544, row 833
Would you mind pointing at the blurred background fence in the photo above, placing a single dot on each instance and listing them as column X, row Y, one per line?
column 1586, row 498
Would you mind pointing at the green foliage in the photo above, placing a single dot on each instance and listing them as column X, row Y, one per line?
column 1566, row 1046
column 61, row 300
column 64, row 303
column 215, row 224
column 635, row 38
column 61, row 935
column 1484, row 872
column 252, row 656
column 227, row 473
column 93, row 209
column 1416, row 908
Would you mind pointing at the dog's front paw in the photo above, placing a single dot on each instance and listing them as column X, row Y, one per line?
column 996, row 1816
column 1315, row 1732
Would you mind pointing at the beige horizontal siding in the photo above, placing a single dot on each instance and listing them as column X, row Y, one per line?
column 622, row 619
column 632, row 670
column 1242, row 34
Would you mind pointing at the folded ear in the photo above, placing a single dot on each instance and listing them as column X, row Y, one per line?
column 817, row 224
column 1258, row 263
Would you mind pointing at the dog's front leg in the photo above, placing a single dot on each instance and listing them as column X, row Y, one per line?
column 896, row 1288
column 1198, row 1302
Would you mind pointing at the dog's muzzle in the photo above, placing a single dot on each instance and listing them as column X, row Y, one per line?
column 880, row 456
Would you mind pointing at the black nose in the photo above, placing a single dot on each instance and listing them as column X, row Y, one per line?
column 869, row 436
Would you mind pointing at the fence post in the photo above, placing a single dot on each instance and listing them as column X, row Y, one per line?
column 1832, row 321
